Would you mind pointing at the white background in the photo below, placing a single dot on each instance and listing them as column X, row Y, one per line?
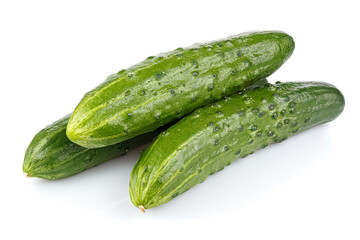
column 53, row 52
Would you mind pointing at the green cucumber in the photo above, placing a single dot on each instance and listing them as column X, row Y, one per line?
column 163, row 88
column 51, row 155
column 210, row 138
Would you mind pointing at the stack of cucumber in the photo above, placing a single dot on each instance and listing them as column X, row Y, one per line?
column 218, row 90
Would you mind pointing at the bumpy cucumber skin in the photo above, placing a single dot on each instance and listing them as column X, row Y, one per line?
column 212, row 137
column 51, row 155
column 170, row 85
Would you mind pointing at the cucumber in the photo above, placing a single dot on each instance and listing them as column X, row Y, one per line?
column 210, row 138
column 163, row 88
column 51, row 155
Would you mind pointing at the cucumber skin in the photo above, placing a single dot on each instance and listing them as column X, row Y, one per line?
column 160, row 89
column 212, row 137
column 51, row 155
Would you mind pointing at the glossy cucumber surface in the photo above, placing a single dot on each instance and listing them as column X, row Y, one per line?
column 210, row 138
column 51, row 155
column 160, row 89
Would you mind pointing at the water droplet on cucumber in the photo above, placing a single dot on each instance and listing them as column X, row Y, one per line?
column 271, row 106
column 274, row 115
column 159, row 75
column 292, row 104
column 270, row 133
column 211, row 87
column 286, row 99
